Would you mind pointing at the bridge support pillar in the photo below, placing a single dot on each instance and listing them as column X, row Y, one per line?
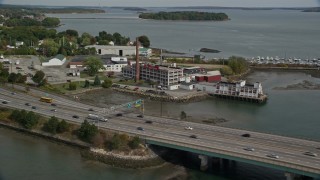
column 204, row 162
column 289, row 176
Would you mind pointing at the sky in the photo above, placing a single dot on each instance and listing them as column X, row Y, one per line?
column 168, row 3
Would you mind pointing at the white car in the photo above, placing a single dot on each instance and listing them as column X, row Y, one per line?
column 273, row 156
column 248, row 149
column 188, row 128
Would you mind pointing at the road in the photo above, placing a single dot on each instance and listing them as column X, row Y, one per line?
column 210, row 138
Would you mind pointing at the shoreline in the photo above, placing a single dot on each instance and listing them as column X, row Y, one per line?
column 89, row 153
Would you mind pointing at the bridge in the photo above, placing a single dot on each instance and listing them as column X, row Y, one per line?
column 291, row 155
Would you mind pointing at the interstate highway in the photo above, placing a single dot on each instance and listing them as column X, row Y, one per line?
column 290, row 150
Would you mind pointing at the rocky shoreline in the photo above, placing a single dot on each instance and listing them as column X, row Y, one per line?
column 166, row 98
column 87, row 152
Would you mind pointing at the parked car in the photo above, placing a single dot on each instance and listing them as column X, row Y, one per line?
column 54, row 110
column 34, row 107
column 140, row 128
column 13, row 93
column 27, row 104
column 148, row 122
column 188, row 128
column 136, row 88
column 18, row 67
column 119, row 114
column 4, row 102
column 140, row 116
column 90, row 109
column 53, row 104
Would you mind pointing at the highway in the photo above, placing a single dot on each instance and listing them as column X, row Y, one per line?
column 210, row 138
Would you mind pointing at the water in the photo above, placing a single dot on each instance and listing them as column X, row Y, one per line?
column 249, row 33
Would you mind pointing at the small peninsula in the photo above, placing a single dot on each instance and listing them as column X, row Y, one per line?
column 185, row 15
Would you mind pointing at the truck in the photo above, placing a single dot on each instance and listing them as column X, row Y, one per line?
column 96, row 117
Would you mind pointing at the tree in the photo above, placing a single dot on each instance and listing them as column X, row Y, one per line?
column 50, row 47
column 86, row 84
column 238, row 64
column 87, row 131
column 144, row 40
column 93, row 65
column 107, row 83
column 97, row 81
column 51, row 125
column 71, row 32
column 135, row 142
column 115, row 142
column 72, row 86
column 12, row 77
column 31, row 120
column 63, row 126
column 51, row 22
column 38, row 77
column 226, row 70
column 183, row 115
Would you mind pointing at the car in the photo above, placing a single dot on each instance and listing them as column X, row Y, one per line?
column 53, row 104
column 90, row 109
column 140, row 116
column 13, row 93
column 4, row 102
column 54, row 110
column 273, row 156
column 119, row 114
column 136, row 88
column 246, row 135
column 27, row 104
column 34, row 107
column 248, row 149
column 193, row 136
column 18, row 67
column 148, row 122
column 75, row 116
column 140, row 128
column 188, row 128
column 308, row 153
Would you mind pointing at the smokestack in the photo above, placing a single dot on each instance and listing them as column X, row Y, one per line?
column 137, row 60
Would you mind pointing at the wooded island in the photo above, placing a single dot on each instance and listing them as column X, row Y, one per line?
column 185, row 15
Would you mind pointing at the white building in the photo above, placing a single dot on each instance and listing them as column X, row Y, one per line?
column 118, row 50
column 58, row 60
column 114, row 66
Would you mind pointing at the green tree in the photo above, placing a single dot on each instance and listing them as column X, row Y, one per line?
column 72, row 86
column 12, row 77
column 87, row 131
column 86, row 84
column 238, row 64
column 51, row 22
column 107, row 83
column 38, row 77
column 226, row 70
column 51, row 125
column 97, row 81
column 71, row 32
column 63, row 126
column 183, row 115
column 144, row 40
column 135, row 142
column 93, row 65
column 49, row 47
column 115, row 142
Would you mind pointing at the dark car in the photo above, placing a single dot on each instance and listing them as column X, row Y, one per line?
column 75, row 116
column 140, row 128
column 90, row 109
column 140, row 116
column 4, row 102
column 119, row 114
column 33, row 107
column 27, row 104
column 53, row 104
column 148, row 122
column 18, row 67
column 193, row 136
column 246, row 135
column 13, row 93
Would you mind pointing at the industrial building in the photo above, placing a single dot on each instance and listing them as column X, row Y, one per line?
column 117, row 50
column 58, row 60
column 168, row 77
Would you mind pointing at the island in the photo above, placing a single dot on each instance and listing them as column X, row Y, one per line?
column 185, row 15
column 134, row 9
column 207, row 50
column 315, row 9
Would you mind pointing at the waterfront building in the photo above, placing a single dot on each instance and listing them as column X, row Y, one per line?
column 164, row 76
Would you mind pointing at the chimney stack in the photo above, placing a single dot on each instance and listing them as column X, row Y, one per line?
column 137, row 61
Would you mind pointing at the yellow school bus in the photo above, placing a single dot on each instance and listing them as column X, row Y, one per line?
column 46, row 99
